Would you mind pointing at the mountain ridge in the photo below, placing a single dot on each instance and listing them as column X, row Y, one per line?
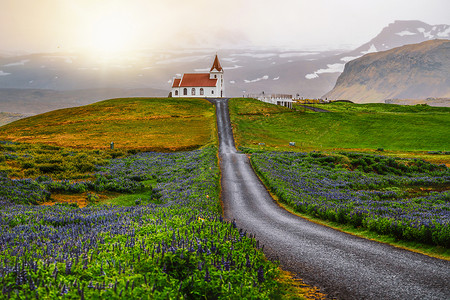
column 308, row 73
column 415, row 71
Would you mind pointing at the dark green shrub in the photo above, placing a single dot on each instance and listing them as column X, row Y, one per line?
column 49, row 168
column 28, row 165
column 85, row 167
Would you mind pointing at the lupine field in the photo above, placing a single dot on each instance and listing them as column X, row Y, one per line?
column 406, row 198
column 173, row 244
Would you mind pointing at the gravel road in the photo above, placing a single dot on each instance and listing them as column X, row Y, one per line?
column 342, row 265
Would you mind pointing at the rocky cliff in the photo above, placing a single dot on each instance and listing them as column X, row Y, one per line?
column 416, row 71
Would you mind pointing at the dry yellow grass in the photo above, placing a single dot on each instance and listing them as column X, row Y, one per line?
column 150, row 124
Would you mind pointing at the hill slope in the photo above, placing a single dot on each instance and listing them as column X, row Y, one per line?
column 415, row 71
column 353, row 127
column 163, row 124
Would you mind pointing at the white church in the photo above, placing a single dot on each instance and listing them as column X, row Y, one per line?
column 200, row 85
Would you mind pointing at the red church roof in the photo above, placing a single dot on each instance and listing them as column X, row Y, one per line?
column 176, row 82
column 216, row 65
column 195, row 80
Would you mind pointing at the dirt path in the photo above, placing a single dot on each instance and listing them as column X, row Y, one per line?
column 342, row 265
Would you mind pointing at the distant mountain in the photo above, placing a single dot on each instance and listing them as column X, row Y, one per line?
column 416, row 71
column 402, row 33
column 394, row 35
column 247, row 70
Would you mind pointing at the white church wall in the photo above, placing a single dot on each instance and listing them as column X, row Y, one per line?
column 210, row 92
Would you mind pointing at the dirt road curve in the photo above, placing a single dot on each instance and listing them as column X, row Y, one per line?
column 343, row 266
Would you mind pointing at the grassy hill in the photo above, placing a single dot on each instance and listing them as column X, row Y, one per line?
column 150, row 124
column 169, row 197
column 381, row 108
column 349, row 127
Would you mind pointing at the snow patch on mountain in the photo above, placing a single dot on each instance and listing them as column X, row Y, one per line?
column 265, row 77
column 19, row 63
column 4, row 73
column 426, row 34
column 405, row 32
column 225, row 68
column 230, row 59
column 311, row 76
column 372, row 49
column 67, row 59
column 445, row 33
column 232, row 68
column 332, row 68
column 296, row 54
column 349, row 58
column 255, row 55
column 202, row 70
column 183, row 59
column 276, row 78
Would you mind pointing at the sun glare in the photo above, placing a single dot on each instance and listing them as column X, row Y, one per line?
column 111, row 33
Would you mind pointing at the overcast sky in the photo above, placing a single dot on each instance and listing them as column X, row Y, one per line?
column 96, row 25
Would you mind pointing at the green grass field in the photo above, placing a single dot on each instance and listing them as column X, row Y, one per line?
column 398, row 129
column 380, row 108
column 147, row 124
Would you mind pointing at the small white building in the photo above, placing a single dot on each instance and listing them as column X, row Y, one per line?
column 277, row 99
column 200, row 85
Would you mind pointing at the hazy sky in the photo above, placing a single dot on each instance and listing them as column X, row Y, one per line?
column 102, row 25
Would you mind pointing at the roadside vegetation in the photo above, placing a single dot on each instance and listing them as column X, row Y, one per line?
column 169, row 243
column 418, row 131
column 125, row 223
column 25, row 160
column 364, row 169
column 407, row 199
column 380, row 108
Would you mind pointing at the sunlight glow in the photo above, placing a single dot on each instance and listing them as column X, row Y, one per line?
column 111, row 33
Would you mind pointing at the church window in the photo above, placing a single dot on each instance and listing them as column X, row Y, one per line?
column 176, row 93
column 185, row 91
column 215, row 76
column 202, row 91
column 212, row 92
column 193, row 91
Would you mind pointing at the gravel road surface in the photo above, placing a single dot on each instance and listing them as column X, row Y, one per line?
column 342, row 265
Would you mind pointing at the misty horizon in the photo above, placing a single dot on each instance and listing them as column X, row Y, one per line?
column 111, row 27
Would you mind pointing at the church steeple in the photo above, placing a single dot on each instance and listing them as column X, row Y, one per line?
column 216, row 73
column 216, row 65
